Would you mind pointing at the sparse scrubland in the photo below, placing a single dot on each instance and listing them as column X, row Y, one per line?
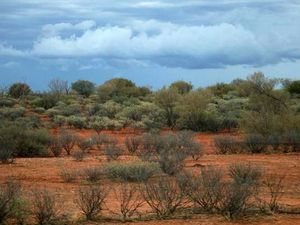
column 118, row 152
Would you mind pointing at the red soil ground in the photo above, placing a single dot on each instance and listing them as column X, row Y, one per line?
column 44, row 172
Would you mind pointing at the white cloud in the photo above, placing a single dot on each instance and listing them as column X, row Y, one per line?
column 55, row 29
column 10, row 51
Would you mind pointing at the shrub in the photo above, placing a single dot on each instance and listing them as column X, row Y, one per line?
column 133, row 143
column 20, row 210
column 6, row 156
column 85, row 145
column 163, row 196
column 77, row 122
column 18, row 90
column 12, row 113
column 204, row 190
column 292, row 141
column 55, row 147
column 255, row 143
column 129, row 199
column 243, row 173
column 90, row 200
column 78, row 156
column 227, row 145
column 9, row 192
column 7, row 102
column 67, row 141
column 112, row 152
column 83, row 87
column 46, row 101
column 68, row 175
column 39, row 110
column 102, row 140
column 46, row 209
column 151, row 146
column 24, row 142
column 59, row 120
column 275, row 140
column 93, row 174
column 139, row 171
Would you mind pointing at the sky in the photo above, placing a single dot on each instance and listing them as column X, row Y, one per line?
column 153, row 43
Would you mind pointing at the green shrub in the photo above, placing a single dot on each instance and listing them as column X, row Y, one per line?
column 291, row 141
column 18, row 90
column 77, row 122
column 6, row 156
column 12, row 113
column 255, row 143
column 39, row 110
column 46, row 101
column 24, row 142
column 59, row 120
column 132, row 172
column 7, row 102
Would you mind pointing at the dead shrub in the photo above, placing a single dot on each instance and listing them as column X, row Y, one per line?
column 129, row 199
column 133, row 143
column 163, row 196
column 90, row 200
column 68, row 175
column 93, row 174
column 46, row 207
column 9, row 192
column 112, row 152
column 245, row 173
column 227, row 145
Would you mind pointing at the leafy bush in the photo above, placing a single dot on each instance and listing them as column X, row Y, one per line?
column 46, row 101
column 83, row 87
column 255, row 143
column 77, row 122
column 90, row 200
column 18, row 90
column 24, row 142
column 7, row 102
column 227, row 145
column 112, row 152
column 140, row 171
column 12, row 113
column 59, row 120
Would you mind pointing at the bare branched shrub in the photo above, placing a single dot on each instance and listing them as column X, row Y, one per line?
column 204, row 190
column 93, row 174
column 133, row 143
column 68, row 175
column 67, row 141
column 112, row 152
column 9, row 192
column 235, row 199
column 129, row 199
column 46, row 209
column 55, row 147
column 275, row 186
column 227, row 145
column 90, row 200
column 163, row 196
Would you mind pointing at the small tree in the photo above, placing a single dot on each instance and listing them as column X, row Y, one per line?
column 18, row 90
column 58, row 86
column 67, row 141
column 182, row 87
column 90, row 200
column 83, row 87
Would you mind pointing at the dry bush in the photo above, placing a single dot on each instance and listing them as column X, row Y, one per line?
column 133, row 143
column 67, row 141
column 90, row 200
column 255, row 143
column 93, row 174
column 68, row 175
column 204, row 190
column 85, row 145
column 129, row 199
column 112, row 152
column 46, row 207
column 9, row 192
column 163, row 196
column 245, row 173
column 227, row 145
column 275, row 186
column 78, row 156
column 55, row 147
